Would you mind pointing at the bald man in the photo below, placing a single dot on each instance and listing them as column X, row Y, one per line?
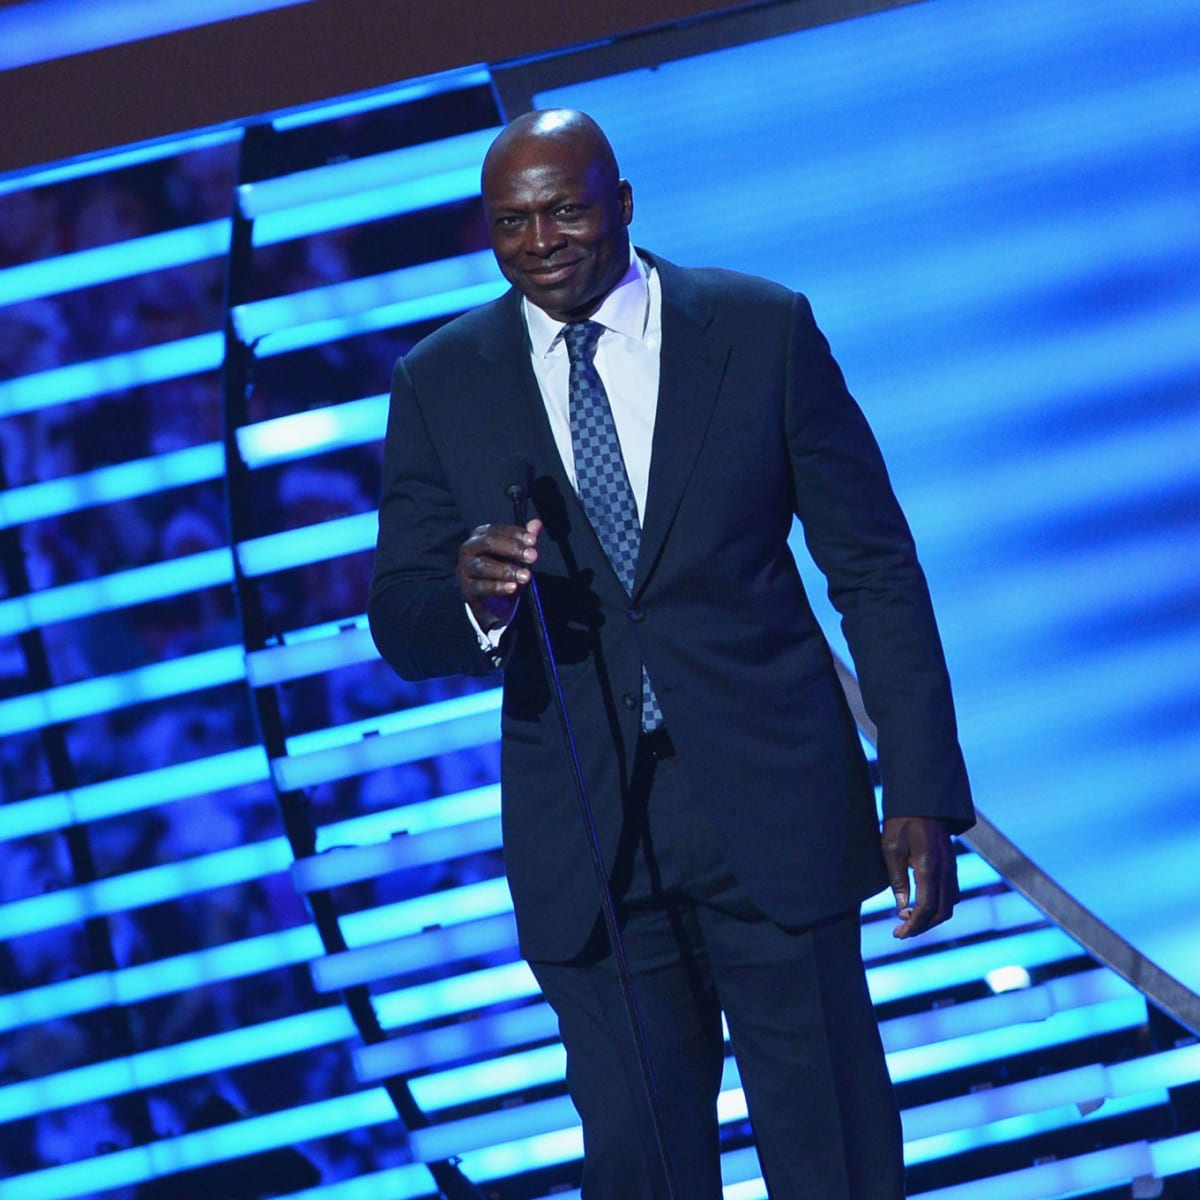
column 676, row 421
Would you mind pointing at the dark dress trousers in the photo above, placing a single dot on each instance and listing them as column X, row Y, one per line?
column 754, row 424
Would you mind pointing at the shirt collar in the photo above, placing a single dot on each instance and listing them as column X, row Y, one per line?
column 625, row 311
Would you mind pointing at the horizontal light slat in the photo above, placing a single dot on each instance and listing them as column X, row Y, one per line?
column 117, row 373
column 409, row 165
column 318, row 431
column 88, row 697
column 254, row 1135
column 312, row 543
column 122, row 589
column 105, row 485
column 338, row 867
column 133, row 793
column 259, row 318
column 437, row 947
column 279, row 664
column 119, row 260
column 169, row 1064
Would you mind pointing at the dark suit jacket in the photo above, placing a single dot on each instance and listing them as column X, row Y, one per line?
column 754, row 424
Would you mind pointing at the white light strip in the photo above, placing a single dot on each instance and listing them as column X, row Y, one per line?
column 131, row 156
column 254, row 1135
column 118, row 260
column 279, row 664
column 128, row 986
column 124, row 481
column 1000, row 1045
column 429, row 85
column 420, row 817
column 169, row 1064
column 354, row 864
column 389, row 316
column 422, row 283
column 458, row 724
column 967, row 964
column 72, row 701
column 1086, row 1088
column 341, row 212
column 43, row 30
column 398, row 956
column 151, row 885
column 311, row 543
column 410, row 165
column 298, row 435
column 133, row 793
column 117, row 373
column 122, row 589
column 495, row 1033
column 1084, row 1174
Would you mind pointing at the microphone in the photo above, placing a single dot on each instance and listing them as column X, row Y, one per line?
column 520, row 474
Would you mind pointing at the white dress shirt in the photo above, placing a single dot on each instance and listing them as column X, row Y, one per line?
column 627, row 361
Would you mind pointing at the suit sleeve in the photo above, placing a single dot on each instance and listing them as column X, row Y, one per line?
column 417, row 615
column 858, row 537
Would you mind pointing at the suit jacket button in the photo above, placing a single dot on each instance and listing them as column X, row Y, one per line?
column 630, row 700
column 637, row 614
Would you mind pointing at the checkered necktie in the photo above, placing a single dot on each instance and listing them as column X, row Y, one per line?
column 600, row 476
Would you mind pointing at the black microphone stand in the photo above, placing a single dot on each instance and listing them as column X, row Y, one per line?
column 518, row 493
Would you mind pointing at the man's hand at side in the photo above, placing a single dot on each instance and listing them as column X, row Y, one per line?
column 493, row 567
column 922, row 844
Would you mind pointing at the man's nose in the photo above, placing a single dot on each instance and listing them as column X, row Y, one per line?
column 544, row 236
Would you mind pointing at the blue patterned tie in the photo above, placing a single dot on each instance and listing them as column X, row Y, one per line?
column 600, row 475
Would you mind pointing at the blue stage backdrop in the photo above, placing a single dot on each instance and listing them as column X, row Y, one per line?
column 995, row 210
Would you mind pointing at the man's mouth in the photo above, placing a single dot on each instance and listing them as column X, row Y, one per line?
column 551, row 274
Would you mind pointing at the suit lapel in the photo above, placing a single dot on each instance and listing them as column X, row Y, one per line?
column 692, row 366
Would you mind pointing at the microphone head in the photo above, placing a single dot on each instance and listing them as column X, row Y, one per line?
column 519, row 475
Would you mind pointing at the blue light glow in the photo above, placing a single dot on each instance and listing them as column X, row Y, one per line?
column 40, row 30
column 153, row 1068
column 153, row 885
column 410, row 165
column 466, row 1039
column 458, row 994
column 71, row 701
column 138, row 585
column 298, row 435
column 146, row 981
column 406, row 918
column 423, row 816
column 342, row 211
column 53, row 497
column 131, row 156
column 312, row 543
column 133, row 793
column 472, row 720
column 437, row 947
column 120, row 260
column 430, row 85
column 336, row 867
column 389, row 316
column 995, row 219
column 118, row 373
column 967, row 964
column 319, row 306
column 123, row 1168
column 277, row 664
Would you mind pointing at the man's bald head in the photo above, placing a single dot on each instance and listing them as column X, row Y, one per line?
column 533, row 130
column 558, row 211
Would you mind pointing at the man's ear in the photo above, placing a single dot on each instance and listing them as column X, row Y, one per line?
column 625, row 197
